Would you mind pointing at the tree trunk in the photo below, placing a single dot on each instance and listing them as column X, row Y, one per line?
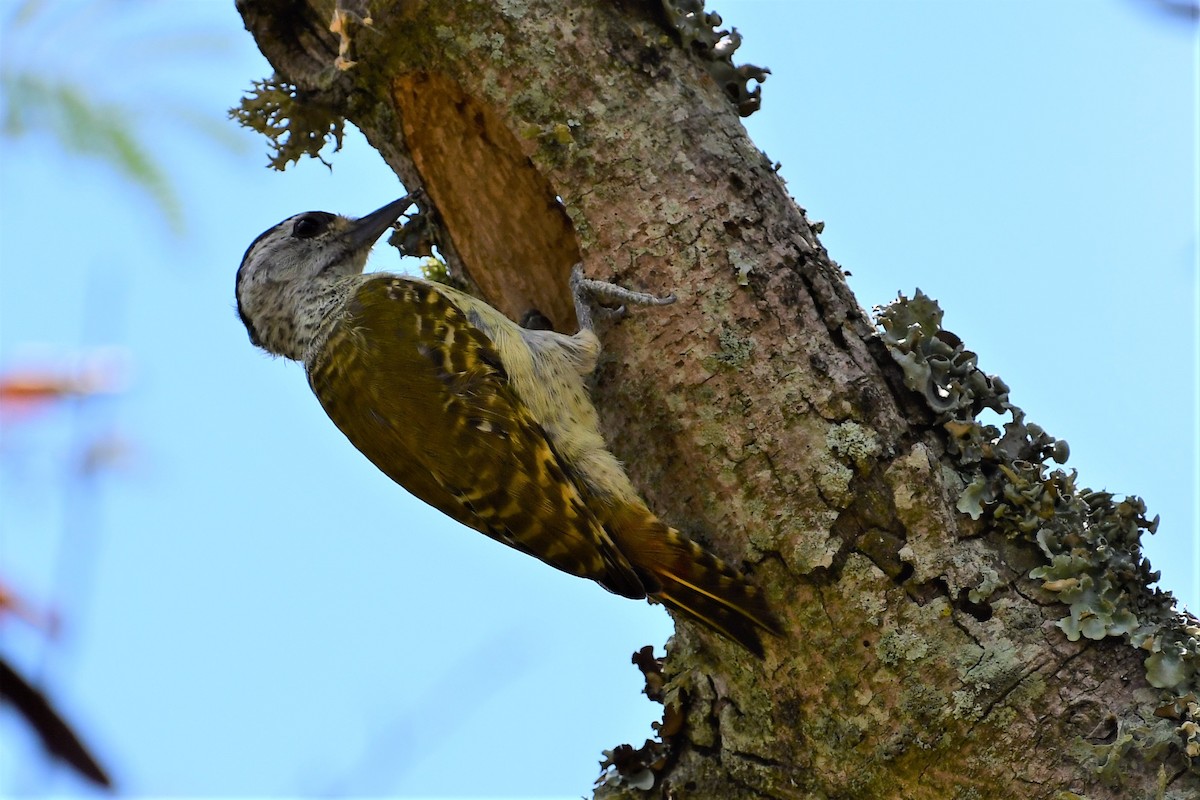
column 764, row 415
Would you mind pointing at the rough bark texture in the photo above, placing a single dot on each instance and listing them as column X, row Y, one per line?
column 759, row 413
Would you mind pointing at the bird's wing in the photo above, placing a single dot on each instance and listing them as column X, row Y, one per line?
column 424, row 395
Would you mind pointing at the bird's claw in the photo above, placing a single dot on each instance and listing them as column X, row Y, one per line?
column 587, row 292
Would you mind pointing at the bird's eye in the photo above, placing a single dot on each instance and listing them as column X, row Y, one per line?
column 307, row 227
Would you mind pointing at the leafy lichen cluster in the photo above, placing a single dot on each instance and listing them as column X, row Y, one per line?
column 1091, row 540
column 294, row 125
column 698, row 31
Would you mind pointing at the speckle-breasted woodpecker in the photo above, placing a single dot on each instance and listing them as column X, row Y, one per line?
column 487, row 421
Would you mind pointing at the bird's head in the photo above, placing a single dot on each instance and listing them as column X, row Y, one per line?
column 290, row 268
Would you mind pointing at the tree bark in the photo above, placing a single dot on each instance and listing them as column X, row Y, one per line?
column 762, row 413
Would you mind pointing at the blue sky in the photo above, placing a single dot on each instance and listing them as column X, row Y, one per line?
column 251, row 609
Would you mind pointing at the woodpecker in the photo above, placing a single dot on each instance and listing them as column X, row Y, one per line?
column 484, row 420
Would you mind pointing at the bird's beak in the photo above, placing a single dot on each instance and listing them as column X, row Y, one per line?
column 364, row 231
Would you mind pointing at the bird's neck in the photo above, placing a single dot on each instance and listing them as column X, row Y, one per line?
column 306, row 314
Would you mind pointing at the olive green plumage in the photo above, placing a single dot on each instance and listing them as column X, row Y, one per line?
column 424, row 395
column 484, row 420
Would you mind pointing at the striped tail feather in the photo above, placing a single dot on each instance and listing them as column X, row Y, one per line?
column 692, row 581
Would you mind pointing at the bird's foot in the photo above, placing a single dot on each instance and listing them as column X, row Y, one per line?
column 588, row 292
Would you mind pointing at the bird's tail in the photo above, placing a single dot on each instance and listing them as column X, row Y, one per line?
column 685, row 577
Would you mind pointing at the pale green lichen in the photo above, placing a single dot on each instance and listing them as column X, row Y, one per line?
column 901, row 645
column 1093, row 548
column 735, row 349
column 937, row 366
column 833, row 481
column 990, row 583
column 743, row 269
column 490, row 41
column 434, row 269
column 1000, row 664
column 699, row 34
column 964, row 704
column 873, row 605
column 855, row 443
column 812, row 546
column 1091, row 540
column 513, row 9
column 1172, row 661
column 295, row 124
